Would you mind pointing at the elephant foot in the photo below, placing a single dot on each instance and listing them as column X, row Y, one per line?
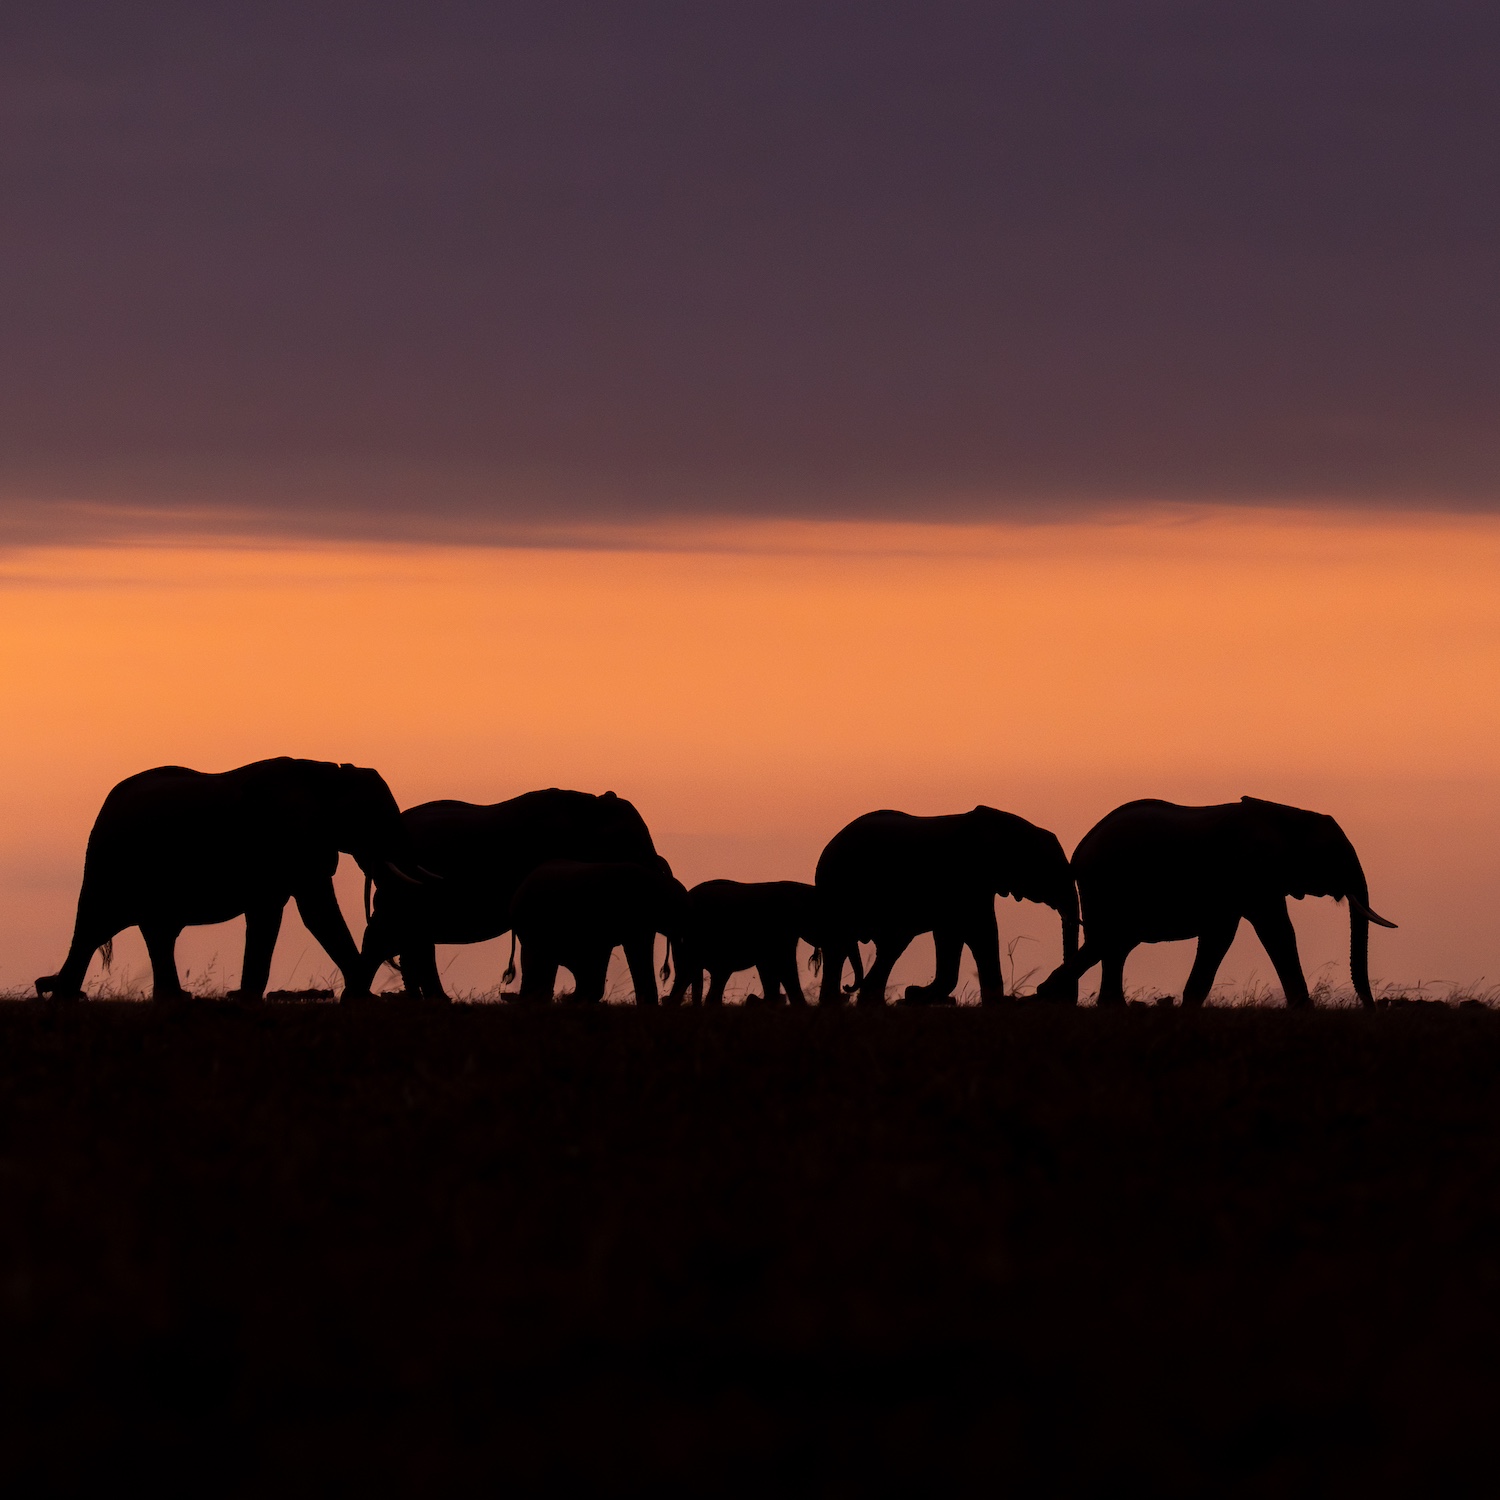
column 424, row 998
column 989, row 996
column 926, row 994
column 47, row 989
column 762, row 1000
column 1058, row 986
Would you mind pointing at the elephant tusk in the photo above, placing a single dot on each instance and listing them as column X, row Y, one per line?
column 1367, row 914
column 400, row 874
column 428, row 875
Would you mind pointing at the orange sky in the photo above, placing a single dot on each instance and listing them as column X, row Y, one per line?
column 751, row 688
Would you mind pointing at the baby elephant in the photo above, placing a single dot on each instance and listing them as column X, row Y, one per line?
column 573, row 915
column 733, row 926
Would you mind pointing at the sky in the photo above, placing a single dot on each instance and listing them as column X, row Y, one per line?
column 768, row 411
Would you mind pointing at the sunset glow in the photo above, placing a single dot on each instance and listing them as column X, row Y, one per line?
column 752, row 687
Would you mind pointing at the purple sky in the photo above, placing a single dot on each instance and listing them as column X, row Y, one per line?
column 376, row 267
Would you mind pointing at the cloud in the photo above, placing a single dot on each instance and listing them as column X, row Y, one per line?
column 375, row 269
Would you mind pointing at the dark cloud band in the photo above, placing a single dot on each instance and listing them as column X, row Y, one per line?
column 466, row 265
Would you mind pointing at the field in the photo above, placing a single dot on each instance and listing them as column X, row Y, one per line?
column 314, row 1248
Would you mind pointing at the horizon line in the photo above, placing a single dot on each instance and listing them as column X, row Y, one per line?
column 51, row 525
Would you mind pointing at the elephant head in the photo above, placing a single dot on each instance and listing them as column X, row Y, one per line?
column 1028, row 863
column 1308, row 854
column 672, row 901
column 366, row 823
column 619, row 833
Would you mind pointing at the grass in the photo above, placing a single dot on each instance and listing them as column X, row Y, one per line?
column 134, row 986
column 316, row 1247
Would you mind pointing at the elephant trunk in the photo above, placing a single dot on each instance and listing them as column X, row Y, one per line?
column 1360, row 917
column 1062, row 983
column 1359, row 955
column 1068, row 985
column 1358, row 895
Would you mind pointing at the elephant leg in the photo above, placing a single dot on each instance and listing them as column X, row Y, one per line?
column 1279, row 938
column 791, row 979
column 538, row 974
column 831, row 989
column 770, row 982
column 380, row 944
column 590, row 971
column 413, row 971
column 682, row 974
column 640, row 956
column 319, row 909
column 983, row 939
column 1062, row 982
column 1213, row 944
column 89, row 935
column 419, row 971
column 262, row 925
column 1112, row 974
column 161, row 947
column 687, row 981
column 949, row 945
column 887, row 951
column 717, row 979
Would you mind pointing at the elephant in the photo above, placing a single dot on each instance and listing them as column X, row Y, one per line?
column 889, row 876
column 173, row 848
column 1158, row 872
column 571, row 914
column 733, row 925
column 482, row 854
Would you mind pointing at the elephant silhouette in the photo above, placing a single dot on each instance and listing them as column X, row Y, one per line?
column 483, row 853
column 174, row 848
column 889, row 876
column 733, row 925
column 574, row 915
column 1158, row 872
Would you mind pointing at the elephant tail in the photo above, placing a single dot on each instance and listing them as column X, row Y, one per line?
column 815, row 963
column 369, row 886
column 510, row 968
column 107, row 952
column 666, row 962
column 859, row 969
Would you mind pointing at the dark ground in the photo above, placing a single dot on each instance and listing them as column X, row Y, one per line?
column 308, row 1248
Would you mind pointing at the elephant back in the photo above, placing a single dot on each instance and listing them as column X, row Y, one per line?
column 506, row 840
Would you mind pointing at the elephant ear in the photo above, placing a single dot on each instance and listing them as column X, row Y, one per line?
column 1266, row 846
